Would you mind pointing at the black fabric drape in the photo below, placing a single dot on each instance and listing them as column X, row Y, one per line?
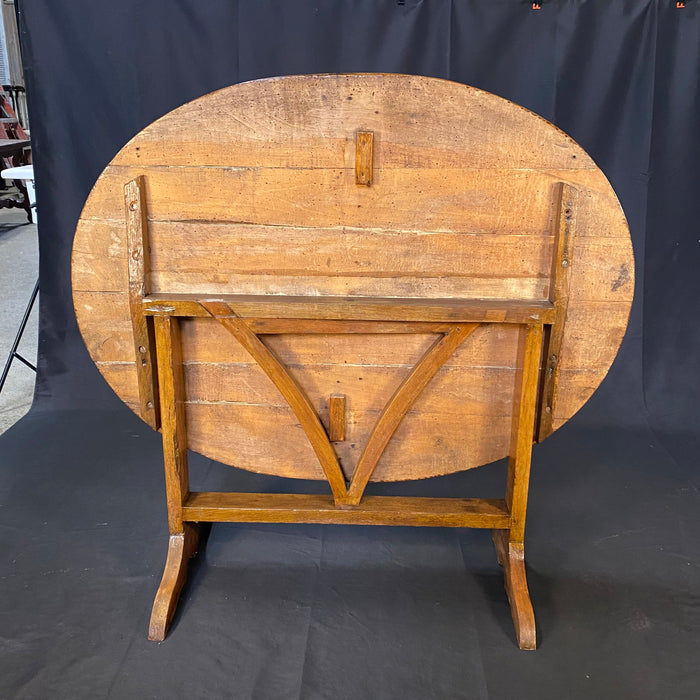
column 314, row 612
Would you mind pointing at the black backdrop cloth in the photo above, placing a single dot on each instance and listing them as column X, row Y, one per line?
column 341, row 612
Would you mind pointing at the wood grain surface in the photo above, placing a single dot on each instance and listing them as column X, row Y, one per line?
column 253, row 190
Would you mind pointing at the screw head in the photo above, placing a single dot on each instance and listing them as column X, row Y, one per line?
column 133, row 205
column 142, row 348
column 564, row 263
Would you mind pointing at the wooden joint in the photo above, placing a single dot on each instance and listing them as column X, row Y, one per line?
column 363, row 158
column 336, row 423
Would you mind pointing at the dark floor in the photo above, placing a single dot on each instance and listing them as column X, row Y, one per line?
column 281, row 611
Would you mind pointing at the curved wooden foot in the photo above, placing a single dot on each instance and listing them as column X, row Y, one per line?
column 181, row 547
column 511, row 556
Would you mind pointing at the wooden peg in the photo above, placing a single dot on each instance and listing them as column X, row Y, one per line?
column 363, row 159
column 336, row 424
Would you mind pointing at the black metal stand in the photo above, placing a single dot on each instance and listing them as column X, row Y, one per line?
column 13, row 352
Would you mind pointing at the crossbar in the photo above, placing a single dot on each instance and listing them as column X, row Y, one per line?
column 355, row 308
column 320, row 509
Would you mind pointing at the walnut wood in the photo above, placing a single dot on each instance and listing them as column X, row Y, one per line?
column 363, row 161
column 565, row 225
column 524, row 404
column 336, row 418
column 139, row 262
column 511, row 556
column 182, row 547
column 172, row 411
column 304, row 411
column 373, row 510
column 399, row 403
column 355, row 308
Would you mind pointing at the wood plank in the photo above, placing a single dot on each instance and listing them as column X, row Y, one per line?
column 173, row 282
column 374, row 510
column 481, row 389
column 437, row 262
column 471, row 201
column 270, row 441
column 478, row 391
column 308, row 121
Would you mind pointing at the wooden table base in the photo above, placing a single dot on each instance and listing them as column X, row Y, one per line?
column 347, row 504
column 318, row 509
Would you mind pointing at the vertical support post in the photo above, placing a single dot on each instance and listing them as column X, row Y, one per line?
column 184, row 537
column 564, row 227
column 523, row 421
column 172, row 406
column 509, row 543
column 139, row 263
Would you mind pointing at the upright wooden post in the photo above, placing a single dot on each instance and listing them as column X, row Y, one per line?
column 183, row 536
column 509, row 543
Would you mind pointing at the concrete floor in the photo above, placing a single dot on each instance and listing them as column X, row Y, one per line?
column 19, row 265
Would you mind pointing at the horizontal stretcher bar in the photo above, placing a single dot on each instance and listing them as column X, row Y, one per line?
column 356, row 308
column 320, row 509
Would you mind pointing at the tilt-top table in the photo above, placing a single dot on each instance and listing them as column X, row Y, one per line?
column 352, row 278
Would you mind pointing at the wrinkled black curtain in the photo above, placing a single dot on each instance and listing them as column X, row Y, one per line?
column 621, row 77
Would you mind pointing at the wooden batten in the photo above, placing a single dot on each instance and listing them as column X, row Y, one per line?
column 336, row 417
column 564, row 228
column 364, row 157
column 139, row 264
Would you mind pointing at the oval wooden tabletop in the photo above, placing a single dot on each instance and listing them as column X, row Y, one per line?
column 253, row 190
